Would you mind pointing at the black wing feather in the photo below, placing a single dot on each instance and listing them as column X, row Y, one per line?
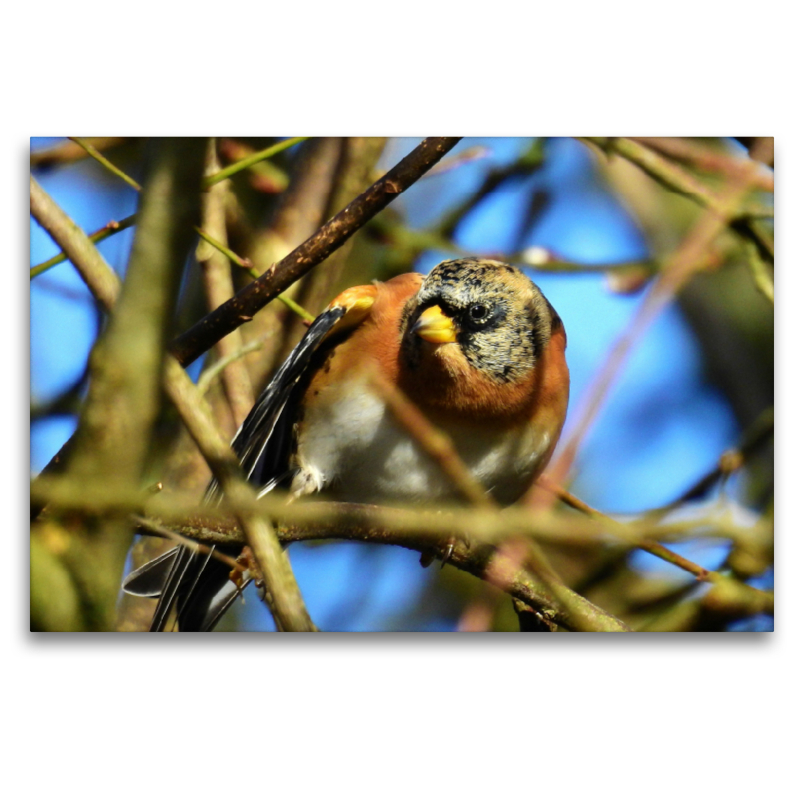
column 252, row 441
column 193, row 582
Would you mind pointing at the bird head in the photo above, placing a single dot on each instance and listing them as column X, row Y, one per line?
column 481, row 314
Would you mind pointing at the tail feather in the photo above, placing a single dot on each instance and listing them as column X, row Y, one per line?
column 198, row 586
column 149, row 580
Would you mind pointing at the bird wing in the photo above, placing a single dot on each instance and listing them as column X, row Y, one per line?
column 262, row 442
column 196, row 583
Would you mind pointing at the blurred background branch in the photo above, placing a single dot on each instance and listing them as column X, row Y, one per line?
column 118, row 419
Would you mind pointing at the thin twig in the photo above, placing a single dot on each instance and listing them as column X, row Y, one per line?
column 703, row 158
column 760, row 272
column 245, row 263
column 266, row 176
column 101, row 159
column 295, row 307
column 245, row 163
column 752, row 440
column 464, row 157
column 210, row 373
column 109, row 229
column 542, row 260
column 654, row 548
column 67, row 152
column 154, row 527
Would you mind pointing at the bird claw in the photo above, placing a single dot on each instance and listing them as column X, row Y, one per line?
column 427, row 557
column 448, row 551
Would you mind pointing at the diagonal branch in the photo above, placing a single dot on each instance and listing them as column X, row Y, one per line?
column 101, row 159
column 286, row 604
column 78, row 248
column 109, row 229
column 253, row 297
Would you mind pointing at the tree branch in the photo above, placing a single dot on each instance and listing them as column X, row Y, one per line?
column 676, row 179
column 410, row 528
column 285, row 601
column 218, row 286
column 78, row 248
column 109, row 229
column 241, row 308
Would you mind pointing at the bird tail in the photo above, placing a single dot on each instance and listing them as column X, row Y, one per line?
column 196, row 584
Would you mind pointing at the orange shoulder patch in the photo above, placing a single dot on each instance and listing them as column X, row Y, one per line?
column 357, row 302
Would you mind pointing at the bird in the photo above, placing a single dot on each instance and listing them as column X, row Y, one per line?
column 474, row 344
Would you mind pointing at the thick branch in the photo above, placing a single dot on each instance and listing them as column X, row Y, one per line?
column 241, row 308
column 569, row 609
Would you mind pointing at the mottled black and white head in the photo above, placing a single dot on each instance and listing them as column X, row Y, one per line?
column 496, row 316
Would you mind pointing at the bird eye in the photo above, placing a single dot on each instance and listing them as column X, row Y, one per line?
column 478, row 312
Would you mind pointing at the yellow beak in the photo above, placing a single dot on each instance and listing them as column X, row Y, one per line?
column 434, row 326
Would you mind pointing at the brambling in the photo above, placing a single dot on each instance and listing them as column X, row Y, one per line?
column 474, row 344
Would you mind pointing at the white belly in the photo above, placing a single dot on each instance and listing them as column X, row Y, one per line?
column 354, row 450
